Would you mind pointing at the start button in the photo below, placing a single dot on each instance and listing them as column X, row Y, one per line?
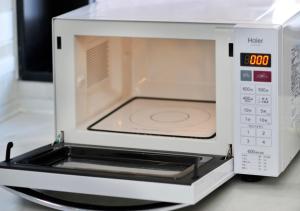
column 262, row 76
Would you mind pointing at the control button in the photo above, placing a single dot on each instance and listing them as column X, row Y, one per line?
column 246, row 75
column 263, row 133
column 263, row 120
column 247, row 89
column 263, row 100
column 248, row 110
column 263, row 90
column 247, row 140
column 263, row 111
column 246, row 119
column 266, row 142
column 262, row 76
column 247, row 99
column 249, row 132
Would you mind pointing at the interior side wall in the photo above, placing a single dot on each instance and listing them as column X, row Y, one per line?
column 103, row 74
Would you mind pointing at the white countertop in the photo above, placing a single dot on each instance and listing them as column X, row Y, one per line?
column 29, row 131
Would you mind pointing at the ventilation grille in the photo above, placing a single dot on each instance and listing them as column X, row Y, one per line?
column 97, row 64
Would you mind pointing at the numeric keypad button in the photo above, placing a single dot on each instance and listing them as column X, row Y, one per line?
column 263, row 120
column 248, row 141
column 250, row 132
column 263, row 111
column 265, row 142
column 248, row 110
column 263, row 90
column 263, row 133
column 263, row 100
column 248, row 99
column 247, row 119
column 247, row 89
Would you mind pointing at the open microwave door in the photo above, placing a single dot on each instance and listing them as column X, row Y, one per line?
column 175, row 178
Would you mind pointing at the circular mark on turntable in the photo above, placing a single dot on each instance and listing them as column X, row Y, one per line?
column 166, row 119
column 170, row 117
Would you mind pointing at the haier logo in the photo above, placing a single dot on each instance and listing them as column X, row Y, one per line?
column 255, row 40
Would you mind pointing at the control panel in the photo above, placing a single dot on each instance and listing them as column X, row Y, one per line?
column 255, row 99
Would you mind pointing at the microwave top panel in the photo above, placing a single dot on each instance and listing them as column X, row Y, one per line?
column 269, row 12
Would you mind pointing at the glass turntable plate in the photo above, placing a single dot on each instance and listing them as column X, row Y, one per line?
column 165, row 117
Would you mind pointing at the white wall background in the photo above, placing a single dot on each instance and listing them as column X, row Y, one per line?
column 17, row 96
column 8, row 67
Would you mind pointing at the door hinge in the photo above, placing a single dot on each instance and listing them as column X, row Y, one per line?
column 60, row 138
column 229, row 153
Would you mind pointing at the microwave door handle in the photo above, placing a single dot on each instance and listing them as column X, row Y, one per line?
column 61, row 204
column 9, row 146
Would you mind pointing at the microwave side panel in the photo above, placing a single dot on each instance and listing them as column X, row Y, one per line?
column 66, row 82
column 256, row 136
column 289, row 92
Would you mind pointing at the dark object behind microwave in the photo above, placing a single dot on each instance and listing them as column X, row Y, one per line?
column 34, row 35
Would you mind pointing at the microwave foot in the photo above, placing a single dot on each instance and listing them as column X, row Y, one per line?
column 250, row 178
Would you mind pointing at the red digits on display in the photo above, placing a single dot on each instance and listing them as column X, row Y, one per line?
column 259, row 60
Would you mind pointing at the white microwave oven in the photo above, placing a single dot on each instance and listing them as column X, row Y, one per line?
column 167, row 100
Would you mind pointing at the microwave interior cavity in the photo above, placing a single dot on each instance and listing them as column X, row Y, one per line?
column 150, row 86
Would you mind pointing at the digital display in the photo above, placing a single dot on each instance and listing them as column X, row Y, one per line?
column 255, row 59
